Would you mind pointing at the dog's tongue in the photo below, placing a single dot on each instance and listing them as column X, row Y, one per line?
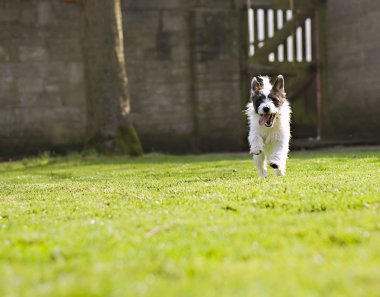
column 263, row 119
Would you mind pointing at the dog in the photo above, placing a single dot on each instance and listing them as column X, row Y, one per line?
column 268, row 115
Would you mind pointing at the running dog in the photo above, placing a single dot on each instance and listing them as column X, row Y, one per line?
column 268, row 115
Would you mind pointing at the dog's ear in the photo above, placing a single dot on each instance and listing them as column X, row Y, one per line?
column 279, row 84
column 255, row 85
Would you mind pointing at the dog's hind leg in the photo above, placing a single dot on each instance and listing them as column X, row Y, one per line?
column 279, row 157
column 261, row 164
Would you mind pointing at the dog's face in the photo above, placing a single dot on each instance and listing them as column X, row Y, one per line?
column 267, row 99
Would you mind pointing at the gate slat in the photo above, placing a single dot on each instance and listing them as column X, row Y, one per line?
column 298, row 41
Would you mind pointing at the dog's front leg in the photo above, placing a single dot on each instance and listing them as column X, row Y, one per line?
column 256, row 144
column 279, row 156
column 260, row 163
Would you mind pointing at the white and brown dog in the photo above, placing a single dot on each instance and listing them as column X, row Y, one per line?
column 269, row 124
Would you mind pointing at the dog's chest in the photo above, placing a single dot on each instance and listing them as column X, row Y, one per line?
column 271, row 137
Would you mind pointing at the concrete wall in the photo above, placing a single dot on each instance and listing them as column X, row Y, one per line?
column 183, row 67
column 42, row 96
column 353, row 48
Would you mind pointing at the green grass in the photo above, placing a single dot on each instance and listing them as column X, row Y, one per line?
column 190, row 226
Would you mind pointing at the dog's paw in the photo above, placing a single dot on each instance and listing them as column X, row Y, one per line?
column 278, row 168
column 256, row 150
column 274, row 165
column 263, row 173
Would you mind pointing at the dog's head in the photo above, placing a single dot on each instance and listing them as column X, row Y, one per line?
column 267, row 99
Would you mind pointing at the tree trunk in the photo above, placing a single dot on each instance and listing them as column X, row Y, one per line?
column 108, row 103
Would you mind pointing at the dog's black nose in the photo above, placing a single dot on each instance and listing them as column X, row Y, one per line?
column 266, row 109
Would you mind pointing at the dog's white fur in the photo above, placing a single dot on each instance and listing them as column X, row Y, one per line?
column 269, row 143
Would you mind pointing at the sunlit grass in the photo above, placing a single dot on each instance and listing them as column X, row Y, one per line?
column 190, row 226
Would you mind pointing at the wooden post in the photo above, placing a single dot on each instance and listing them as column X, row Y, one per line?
column 323, row 74
column 318, row 72
column 244, row 55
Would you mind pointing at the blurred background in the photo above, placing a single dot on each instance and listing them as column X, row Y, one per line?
column 189, row 64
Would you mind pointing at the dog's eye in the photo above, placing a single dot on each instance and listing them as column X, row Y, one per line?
column 274, row 99
column 258, row 97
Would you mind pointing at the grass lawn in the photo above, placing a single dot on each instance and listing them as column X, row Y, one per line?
column 190, row 226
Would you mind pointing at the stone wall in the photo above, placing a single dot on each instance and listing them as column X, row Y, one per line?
column 42, row 95
column 182, row 63
column 183, row 68
column 353, row 47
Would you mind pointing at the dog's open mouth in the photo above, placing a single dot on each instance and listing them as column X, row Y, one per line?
column 267, row 120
